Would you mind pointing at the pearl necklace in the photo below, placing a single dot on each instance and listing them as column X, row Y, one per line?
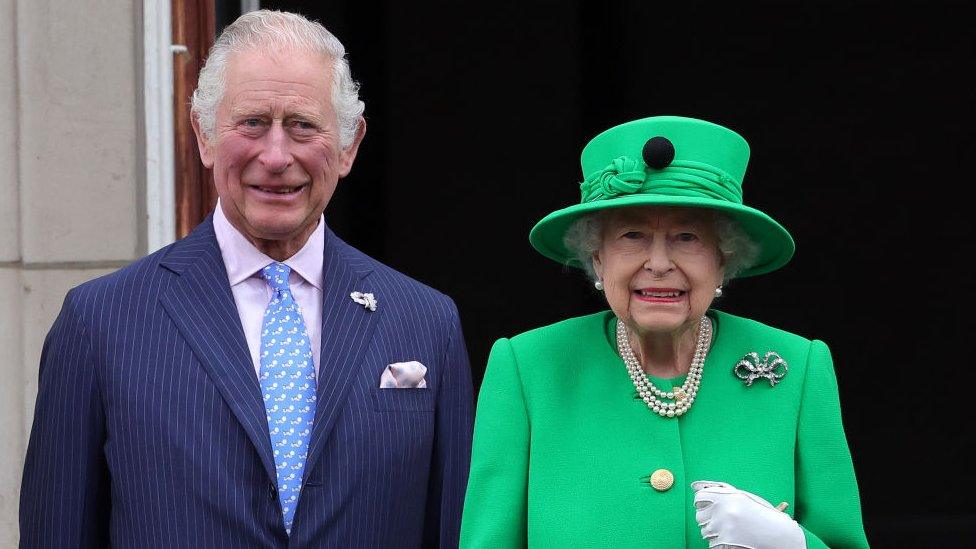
column 653, row 397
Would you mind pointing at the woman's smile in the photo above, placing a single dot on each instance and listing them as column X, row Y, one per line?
column 660, row 295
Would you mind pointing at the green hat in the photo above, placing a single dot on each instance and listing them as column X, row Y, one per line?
column 667, row 161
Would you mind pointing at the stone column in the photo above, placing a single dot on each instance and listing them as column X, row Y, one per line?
column 70, row 184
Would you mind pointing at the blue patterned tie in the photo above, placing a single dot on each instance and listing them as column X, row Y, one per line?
column 288, row 384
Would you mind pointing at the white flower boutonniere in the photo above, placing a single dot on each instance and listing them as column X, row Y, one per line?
column 366, row 300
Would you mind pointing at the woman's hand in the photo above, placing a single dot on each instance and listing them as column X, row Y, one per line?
column 730, row 517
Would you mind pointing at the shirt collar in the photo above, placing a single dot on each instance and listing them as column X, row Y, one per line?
column 242, row 260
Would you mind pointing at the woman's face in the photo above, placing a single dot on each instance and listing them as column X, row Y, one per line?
column 659, row 266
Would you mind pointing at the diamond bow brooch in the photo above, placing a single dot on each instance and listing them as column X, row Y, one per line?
column 751, row 367
column 366, row 300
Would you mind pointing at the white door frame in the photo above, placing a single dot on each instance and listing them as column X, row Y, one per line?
column 158, row 53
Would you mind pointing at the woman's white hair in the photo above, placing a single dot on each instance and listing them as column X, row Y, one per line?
column 276, row 31
column 585, row 235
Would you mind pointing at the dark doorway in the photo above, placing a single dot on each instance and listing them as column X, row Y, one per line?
column 860, row 120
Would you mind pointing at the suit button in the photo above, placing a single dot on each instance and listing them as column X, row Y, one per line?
column 662, row 480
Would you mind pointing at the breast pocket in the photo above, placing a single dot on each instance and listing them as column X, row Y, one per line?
column 403, row 400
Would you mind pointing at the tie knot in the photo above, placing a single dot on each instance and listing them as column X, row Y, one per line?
column 276, row 274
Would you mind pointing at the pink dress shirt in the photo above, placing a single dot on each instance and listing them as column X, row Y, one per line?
column 251, row 293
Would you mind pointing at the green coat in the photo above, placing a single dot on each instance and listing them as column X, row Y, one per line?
column 564, row 448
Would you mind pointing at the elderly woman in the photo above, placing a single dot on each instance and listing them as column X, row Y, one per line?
column 661, row 422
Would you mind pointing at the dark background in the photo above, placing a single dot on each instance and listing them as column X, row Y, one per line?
column 860, row 120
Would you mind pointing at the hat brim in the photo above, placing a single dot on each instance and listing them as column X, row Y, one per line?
column 776, row 246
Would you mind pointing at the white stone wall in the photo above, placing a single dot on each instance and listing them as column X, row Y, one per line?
column 69, row 184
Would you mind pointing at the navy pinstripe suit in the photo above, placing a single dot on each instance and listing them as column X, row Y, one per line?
column 150, row 430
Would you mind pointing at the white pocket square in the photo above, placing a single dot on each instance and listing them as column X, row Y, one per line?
column 404, row 375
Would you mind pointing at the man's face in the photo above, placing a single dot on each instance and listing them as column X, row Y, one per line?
column 275, row 152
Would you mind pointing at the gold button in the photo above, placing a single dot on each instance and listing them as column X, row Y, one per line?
column 662, row 480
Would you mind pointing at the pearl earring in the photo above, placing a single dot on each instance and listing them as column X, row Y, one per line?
column 718, row 292
column 598, row 285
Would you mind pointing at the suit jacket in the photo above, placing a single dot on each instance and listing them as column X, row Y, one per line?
column 150, row 429
column 564, row 447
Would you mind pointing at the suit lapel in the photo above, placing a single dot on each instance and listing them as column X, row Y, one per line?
column 201, row 305
column 346, row 331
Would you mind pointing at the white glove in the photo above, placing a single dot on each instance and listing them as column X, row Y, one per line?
column 736, row 518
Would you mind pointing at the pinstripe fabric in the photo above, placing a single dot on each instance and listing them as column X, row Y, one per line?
column 150, row 431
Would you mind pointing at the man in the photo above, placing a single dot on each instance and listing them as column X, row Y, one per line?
column 259, row 383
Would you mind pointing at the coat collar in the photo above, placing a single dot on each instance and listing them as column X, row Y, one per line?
column 347, row 329
column 200, row 303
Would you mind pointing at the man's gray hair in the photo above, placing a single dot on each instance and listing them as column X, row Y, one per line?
column 277, row 30
column 585, row 235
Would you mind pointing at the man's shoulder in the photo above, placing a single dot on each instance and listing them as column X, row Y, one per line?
column 152, row 273
column 395, row 285
column 127, row 279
